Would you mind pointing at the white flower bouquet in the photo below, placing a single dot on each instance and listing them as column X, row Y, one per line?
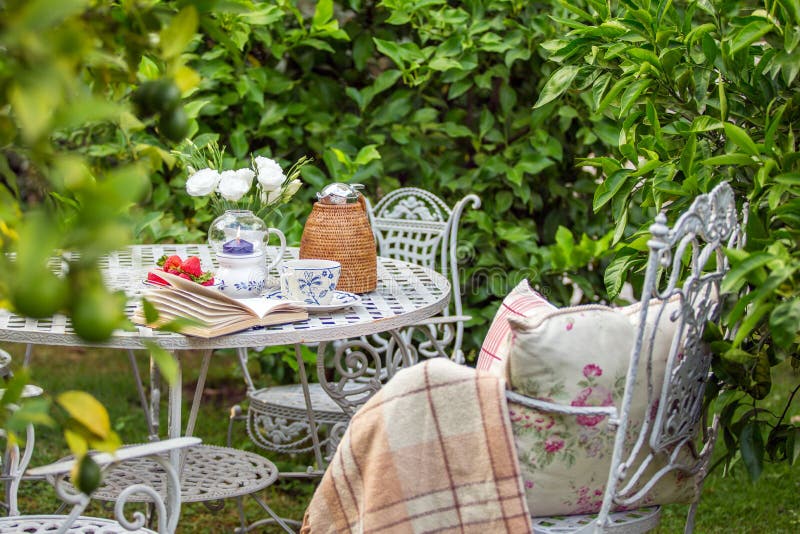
column 234, row 189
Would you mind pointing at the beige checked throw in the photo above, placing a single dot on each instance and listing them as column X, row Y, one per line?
column 431, row 452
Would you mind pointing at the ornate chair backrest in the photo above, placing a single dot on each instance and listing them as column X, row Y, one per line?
column 414, row 225
column 687, row 263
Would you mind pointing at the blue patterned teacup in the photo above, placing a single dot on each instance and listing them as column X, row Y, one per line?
column 309, row 281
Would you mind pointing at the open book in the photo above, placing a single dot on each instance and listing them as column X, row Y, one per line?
column 217, row 313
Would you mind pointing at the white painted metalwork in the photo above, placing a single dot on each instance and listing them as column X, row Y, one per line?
column 167, row 504
column 414, row 225
column 406, row 294
column 15, row 462
column 411, row 225
column 686, row 262
column 640, row 520
column 209, row 473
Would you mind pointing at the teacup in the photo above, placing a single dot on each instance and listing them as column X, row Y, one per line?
column 309, row 281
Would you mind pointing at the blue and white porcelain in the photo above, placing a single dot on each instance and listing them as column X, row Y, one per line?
column 241, row 275
column 340, row 300
column 310, row 281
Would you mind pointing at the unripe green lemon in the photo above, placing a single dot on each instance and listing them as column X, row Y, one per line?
column 89, row 475
column 158, row 96
column 174, row 124
column 96, row 313
column 39, row 295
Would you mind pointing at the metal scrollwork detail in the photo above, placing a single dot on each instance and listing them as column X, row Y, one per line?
column 687, row 264
column 336, row 435
column 357, row 369
column 417, row 205
column 280, row 434
column 360, row 368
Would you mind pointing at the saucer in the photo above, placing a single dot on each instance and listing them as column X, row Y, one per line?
column 341, row 299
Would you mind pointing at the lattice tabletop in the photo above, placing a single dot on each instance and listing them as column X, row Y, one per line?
column 406, row 294
column 209, row 473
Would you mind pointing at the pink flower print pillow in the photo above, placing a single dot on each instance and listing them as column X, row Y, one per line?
column 579, row 357
column 521, row 302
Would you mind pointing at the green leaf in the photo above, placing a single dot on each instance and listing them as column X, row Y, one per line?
column 238, row 142
column 729, row 159
column 739, row 137
column 751, row 444
column 599, row 88
column 166, row 362
column 751, row 320
column 150, row 312
column 556, row 85
column 697, row 32
column 609, row 188
column 444, row 63
column 181, row 30
column 322, row 14
column 631, row 95
column 366, row 154
column 784, row 322
column 11, row 393
column 616, row 272
column 737, row 276
column 456, row 130
column 739, row 356
column 704, row 123
column 749, row 34
column 643, row 54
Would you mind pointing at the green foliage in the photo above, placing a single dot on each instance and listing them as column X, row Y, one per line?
column 400, row 93
column 69, row 173
column 573, row 121
column 700, row 92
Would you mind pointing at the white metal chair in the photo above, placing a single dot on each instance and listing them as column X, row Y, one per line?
column 686, row 262
column 410, row 224
column 14, row 469
column 168, row 510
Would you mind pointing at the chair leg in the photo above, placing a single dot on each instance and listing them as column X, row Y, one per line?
column 236, row 415
column 689, row 527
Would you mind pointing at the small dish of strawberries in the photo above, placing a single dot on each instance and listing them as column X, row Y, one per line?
column 190, row 269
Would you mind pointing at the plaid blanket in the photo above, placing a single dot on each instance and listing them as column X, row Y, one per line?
column 432, row 451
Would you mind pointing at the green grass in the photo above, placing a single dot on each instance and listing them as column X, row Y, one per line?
column 730, row 504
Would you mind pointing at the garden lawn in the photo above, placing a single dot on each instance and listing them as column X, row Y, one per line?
column 730, row 504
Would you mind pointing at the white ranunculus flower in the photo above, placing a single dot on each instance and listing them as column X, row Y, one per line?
column 202, row 182
column 233, row 185
column 270, row 174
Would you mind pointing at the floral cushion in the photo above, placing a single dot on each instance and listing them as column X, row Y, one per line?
column 521, row 302
column 579, row 356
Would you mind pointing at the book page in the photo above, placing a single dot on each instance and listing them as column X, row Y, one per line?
column 210, row 297
column 262, row 306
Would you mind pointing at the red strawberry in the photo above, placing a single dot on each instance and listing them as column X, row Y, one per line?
column 186, row 276
column 209, row 282
column 172, row 264
column 192, row 266
column 154, row 278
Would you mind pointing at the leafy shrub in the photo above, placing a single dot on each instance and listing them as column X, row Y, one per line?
column 701, row 92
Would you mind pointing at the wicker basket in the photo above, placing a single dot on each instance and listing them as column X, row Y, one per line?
column 342, row 232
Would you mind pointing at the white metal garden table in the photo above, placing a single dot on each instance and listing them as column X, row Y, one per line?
column 406, row 294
